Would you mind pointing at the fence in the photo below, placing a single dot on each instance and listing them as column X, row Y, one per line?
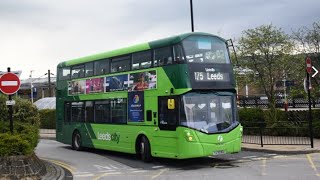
column 284, row 134
column 260, row 102
column 294, row 131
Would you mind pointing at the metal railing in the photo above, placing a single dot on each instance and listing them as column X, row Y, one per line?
column 260, row 102
column 280, row 133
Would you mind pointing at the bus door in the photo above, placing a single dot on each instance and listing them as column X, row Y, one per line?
column 168, row 116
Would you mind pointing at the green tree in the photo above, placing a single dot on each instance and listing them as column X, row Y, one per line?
column 307, row 39
column 266, row 50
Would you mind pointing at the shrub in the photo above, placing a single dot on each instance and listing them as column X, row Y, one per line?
column 3, row 108
column 25, row 111
column 48, row 118
column 25, row 135
column 292, row 123
column 22, row 142
column 251, row 117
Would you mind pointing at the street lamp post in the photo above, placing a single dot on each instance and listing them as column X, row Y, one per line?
column 285, row 92
column 191, row 11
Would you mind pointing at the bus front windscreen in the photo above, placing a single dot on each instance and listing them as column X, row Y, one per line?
column 209, row 113
column 206, row 49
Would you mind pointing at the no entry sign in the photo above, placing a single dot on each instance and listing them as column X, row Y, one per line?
column 9, row 83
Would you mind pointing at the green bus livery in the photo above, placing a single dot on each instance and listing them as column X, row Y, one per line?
column 171, row 98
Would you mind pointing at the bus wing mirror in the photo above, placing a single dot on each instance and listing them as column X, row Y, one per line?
column 171, row 104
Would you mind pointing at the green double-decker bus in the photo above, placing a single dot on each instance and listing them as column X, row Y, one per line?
column 172, row 98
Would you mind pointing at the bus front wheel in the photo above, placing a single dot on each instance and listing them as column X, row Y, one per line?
column 76, row 141
column 144, row 149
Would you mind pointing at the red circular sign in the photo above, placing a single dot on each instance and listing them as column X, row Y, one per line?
column 9, row 83
column 309, row 66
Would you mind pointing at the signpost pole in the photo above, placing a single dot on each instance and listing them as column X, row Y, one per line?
column 308, row 83
column 10, row 111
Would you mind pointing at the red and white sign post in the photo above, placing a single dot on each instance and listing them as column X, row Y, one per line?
column 9, row 84
column 308, row 87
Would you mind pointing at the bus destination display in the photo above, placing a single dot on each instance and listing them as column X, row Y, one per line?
column 211, row 76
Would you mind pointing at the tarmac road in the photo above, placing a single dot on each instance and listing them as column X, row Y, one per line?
column 98, row 164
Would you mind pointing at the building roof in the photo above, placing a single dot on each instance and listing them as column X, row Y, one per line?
column 46, row 103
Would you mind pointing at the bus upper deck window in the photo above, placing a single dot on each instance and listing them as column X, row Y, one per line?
column 120, row 64
column 163, row 56
column 77, row 72
column 64, row 73
column 89, row 69
column 101, row 67
column 141, row 60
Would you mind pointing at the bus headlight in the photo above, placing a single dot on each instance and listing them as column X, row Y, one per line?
column 188, row 135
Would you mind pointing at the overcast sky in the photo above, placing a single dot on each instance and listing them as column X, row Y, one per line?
column 38, row 34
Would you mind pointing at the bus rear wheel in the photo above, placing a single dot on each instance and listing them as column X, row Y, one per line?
column 76, row 141
column 144, row 149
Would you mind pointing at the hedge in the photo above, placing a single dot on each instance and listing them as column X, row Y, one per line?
column 22, row 142
column 26, row 122
column 291, row 123
column 47, row 118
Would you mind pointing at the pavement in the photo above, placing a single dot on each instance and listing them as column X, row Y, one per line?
column 57, row 172
column 284, row 149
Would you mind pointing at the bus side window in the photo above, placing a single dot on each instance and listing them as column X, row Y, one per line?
column 89, row 111
column 101, row 67
column 77, row 111
column 168, row 118
column 67, row 112
column 89, row 69
column 163, row 56
column 178, row 54
column 120, row 64
column 64, row 73
column 141, row 60
column 77, row 72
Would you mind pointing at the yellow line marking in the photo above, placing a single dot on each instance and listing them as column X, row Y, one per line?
column 312, row 164
column 106, row 174
column 161, row 172
column 64, row 165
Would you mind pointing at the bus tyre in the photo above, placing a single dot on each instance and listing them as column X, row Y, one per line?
column 145, row 150
column 76, row 141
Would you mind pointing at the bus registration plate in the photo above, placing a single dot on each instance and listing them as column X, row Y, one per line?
column 219, row 152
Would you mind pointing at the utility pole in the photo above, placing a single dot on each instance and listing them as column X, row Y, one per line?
column 49, row 83
column 31, row 87
column 191, row 9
